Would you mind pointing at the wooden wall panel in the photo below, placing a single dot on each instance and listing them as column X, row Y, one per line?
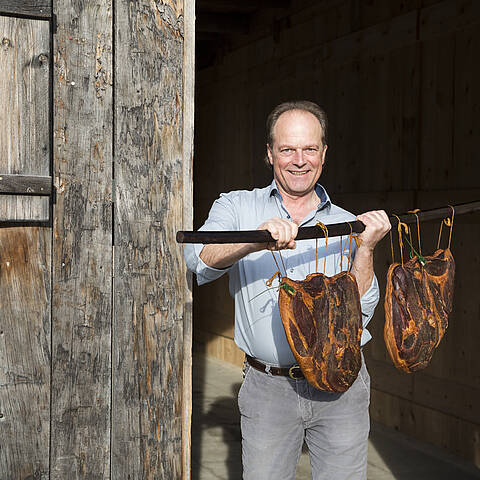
column 25, row 253
column 149, row 295
column 24, row 108
column 82, row 281
column 465, row 127
column 25, row 352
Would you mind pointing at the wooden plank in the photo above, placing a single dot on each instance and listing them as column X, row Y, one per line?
column 466, row 134
column 223, row 348
column 447, row 17
column 31, row 8
column 437, row 119
column 435, row 393
column 25, row 352
column 24, row 109
column 187, row 165
column 150, row 290
column 456, row 435
column 222, row 23
column 25, row 184
column 82, row 281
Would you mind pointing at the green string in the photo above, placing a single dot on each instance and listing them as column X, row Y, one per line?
column 283, row 285
column 421, row 259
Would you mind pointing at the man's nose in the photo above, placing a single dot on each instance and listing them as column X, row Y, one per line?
column 299, row 158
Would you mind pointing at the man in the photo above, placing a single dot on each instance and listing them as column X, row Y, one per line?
column 279, row 412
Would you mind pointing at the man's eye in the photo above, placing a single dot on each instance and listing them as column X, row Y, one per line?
column 286, row 150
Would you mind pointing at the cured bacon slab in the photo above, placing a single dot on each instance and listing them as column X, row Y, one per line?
column 323, row 323
column 418, row 301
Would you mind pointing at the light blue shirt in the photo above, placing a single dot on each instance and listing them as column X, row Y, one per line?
column 258, row 327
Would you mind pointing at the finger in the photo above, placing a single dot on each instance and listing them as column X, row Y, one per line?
column 287, row 232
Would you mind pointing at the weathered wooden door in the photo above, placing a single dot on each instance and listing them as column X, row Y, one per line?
column 96, row 102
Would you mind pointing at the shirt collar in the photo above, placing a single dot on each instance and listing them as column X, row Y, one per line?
column 319, row 190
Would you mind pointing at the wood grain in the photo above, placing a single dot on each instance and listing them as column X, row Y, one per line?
column 82, row 272
column 26, row 184
column 150, row 290
column 31, row 8
column 25, row 256
column 24, row 109
column 25, row 253
column 187, row 164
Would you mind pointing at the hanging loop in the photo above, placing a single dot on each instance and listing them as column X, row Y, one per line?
column 391, row 246
column 415, row 212
column 448, row 223
column 399, row 229
column 269, row 282
column 325, row 232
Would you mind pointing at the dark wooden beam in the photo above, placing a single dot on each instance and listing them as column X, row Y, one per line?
column 26, row 8
column 222, row 23
column 25, row 185
column 334, row 230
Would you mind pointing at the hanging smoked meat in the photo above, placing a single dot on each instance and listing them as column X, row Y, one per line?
column 323, row 323
column 418, row 301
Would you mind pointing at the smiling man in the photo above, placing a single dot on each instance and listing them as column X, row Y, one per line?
column 279, row 409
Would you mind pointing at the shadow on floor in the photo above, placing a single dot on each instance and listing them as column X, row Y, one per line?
column 216, row 438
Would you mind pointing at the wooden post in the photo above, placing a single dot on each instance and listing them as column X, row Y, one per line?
column 152, row 331
column 82, row 269
column 188, row 130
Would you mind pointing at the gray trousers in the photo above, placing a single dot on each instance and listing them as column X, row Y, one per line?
column 278, row 414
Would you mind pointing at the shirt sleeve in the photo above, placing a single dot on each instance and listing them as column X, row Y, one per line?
column 369, row 301
column 221, row 217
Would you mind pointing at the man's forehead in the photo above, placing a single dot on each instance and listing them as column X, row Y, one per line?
column 296, row 120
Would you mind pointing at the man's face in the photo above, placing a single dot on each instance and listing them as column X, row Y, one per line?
column 297, row 154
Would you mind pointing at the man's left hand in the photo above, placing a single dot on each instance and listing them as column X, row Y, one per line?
column 377, row 225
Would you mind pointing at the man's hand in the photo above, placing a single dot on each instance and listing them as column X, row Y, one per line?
column 225, row 255
column 283, row 231
column 377, row 225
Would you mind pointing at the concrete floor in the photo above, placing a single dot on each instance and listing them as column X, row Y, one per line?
column 216, row 450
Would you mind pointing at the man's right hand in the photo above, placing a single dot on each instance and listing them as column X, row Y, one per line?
column 282, row 231
column 225, row 255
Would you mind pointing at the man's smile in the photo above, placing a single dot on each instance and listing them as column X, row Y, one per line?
column 298, row 173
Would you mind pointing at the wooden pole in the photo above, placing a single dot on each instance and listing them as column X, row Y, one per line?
column 334, row 230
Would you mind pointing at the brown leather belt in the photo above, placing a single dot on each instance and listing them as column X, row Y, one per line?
column 293, row 372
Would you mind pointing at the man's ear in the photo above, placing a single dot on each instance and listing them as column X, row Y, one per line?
column 269, row 155
column 324, row 153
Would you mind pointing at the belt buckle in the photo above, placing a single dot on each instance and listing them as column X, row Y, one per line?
column 295, row 372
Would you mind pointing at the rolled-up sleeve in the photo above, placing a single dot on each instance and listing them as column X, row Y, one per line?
column 195, row 264
column 368, row 302
column 221, row 217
